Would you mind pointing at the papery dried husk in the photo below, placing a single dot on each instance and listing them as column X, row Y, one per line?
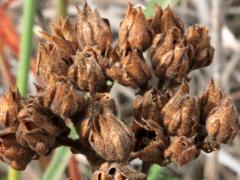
column 62, row 98
column 149, row 106
column 11, row 152
column 181, row 151
column 135, row 30
column 86, row 72
column 151, row 141
column 92, row 29
column 198, row 37
column 131, row 70
column 10, row 105
column 117, row 171
column 181, row 114
column 39, row 129
column 170, row 56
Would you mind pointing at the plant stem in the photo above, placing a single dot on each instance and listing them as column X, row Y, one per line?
column 26, row 45
column 29, row 11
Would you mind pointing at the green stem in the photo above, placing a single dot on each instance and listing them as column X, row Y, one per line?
column 29, row 11
column 62, row 7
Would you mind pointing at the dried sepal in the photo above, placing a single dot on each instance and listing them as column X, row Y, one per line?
column 109, row 136
column 181, row 151
column 62, row 98
column 86, row 72
column 170, row 56
column 151, row 141
column 155, row 22
column 50, row 63
column 198, row 37
column 11, row 152
column 10, row 105
column 181, row 113
column 39, row 129
column 117, row 171
column 92, row 29
column 149, row 106
column 135, row 30
column 131, row 70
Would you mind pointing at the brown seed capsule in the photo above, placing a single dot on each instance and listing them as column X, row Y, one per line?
column 170, row 57
column 222, row 123
column 39, row 129
column 198, row 37
column 151, row 141
column 9, row 107
column 210, row 99
column 117, row 171
column 109, row 136
column 49, row 62
column 135, row 30
column 149, row 106
column 86, row 71
column 62, row 99
column 131, row 70
column 181, row 113
column 11, row 152
column 155, row 22
column 92, row 29
column 181, row 151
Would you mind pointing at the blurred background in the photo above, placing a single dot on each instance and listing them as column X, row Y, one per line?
column 18, row 18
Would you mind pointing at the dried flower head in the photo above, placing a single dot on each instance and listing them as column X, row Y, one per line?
column 117, row 171
column 170, row 56
column 181, row 113
column 198, row 37
column 11, row 152
column 92, row 29
column 86, row 72
column 10, row 104
column 181, row 151
column 131, row 70
column 39, row 129
column 151, row 141
column 109, row 136
column 135, row 30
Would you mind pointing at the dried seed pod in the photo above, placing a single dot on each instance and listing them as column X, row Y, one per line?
column 11, row 152
column 222, row 123
column 49, row 62
column 210, row 99
column 131, row 70
column 181, row 151
column 10, row 104
column 198, row 37
column 155, row 22
column 64, row 28
column 151, row 141
column 117, row 171
column 135, row 30
column 62, row 99
column 86, row 72
column 181, row 113
column 170, row 57
column 92, row 29
column 109, row 136
column 39, row 129
column 149, row 106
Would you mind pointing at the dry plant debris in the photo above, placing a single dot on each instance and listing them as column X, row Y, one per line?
column 169, row 125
